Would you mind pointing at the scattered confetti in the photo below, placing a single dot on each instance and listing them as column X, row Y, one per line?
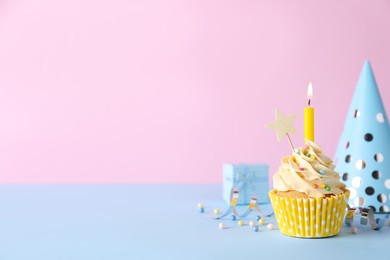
column 354, row 230
column 270, row 226
column 221, row 225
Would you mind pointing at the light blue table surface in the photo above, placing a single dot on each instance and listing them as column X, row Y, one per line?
column 152, row 222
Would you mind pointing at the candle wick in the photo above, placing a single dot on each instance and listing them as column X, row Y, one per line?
column 308, row 102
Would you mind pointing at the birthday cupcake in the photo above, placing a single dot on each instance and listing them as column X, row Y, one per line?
column 308, row 199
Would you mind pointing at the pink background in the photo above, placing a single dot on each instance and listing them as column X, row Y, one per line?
column 166, row 91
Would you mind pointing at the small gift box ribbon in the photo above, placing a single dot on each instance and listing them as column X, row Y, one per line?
column 246, row 179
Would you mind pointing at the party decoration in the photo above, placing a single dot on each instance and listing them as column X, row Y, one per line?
column 367, row 217
column 232, row 207
column 253, row 206
column 250, row 179
column 363, row 152
column 308, row 116
column 283, row 126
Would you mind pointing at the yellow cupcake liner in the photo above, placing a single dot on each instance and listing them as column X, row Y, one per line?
column 309, row 217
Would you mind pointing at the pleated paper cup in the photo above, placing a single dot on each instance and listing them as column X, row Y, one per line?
column 309, row 217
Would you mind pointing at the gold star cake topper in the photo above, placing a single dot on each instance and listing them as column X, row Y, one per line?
column 283, row 126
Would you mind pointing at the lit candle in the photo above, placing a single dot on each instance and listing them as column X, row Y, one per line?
column 309, row 116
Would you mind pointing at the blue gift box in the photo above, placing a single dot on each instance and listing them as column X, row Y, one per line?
column 250, row 179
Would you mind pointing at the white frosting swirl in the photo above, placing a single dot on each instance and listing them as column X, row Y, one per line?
column 307, row 170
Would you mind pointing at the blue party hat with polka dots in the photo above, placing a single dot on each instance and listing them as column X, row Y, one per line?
column 363, row 152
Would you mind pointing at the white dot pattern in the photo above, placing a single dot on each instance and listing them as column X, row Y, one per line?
column 380, row 118
column 387, row 184
column 320, row 217
column 360, row 164
column 385, row 208
column 353, row 193
column 359, row 201
column 379, row 157
column 382, row 198
column 356, row 181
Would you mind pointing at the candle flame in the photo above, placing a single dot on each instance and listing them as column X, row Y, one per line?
column 310, row 91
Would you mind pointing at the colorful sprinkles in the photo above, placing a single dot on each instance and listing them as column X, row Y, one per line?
column 322, row 172
column 311, row 156
column 322, row 185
